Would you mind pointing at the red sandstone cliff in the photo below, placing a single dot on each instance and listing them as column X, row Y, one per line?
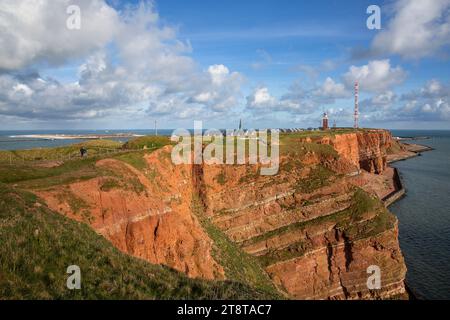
column 154, row 222
column 366, row 150
column 315, row 242
column 309, row 226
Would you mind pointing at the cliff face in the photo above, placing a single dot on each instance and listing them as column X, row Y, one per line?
column 335, row 266
column 373, row 148
column 367, row 150
column 311, row 228
column 145, row 213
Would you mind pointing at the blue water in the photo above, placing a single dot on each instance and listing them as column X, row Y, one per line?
column 10, row 141
column 424, row 216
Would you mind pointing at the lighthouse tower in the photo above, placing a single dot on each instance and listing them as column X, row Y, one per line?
column 325, row 121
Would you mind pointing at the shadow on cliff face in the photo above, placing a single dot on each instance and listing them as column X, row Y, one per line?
column 286, row 221
column 143, row 204
column 38, row 245
column 143, row 207
column 308, row 227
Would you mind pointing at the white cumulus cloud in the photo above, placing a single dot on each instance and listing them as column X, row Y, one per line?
column 132, row 65
column 418, row 28
column 429, row 103
column 331, row 90
column 36, row 31
column 376, row 76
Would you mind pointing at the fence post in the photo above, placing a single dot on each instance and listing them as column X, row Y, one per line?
column 10, row 159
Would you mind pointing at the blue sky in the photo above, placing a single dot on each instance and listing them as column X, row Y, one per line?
column 272, row 63
column 277, row 34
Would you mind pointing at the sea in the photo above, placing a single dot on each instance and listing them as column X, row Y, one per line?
column 17, row 140
column 424, row 213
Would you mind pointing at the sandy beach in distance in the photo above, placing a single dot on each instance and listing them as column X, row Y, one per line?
column 75, row 137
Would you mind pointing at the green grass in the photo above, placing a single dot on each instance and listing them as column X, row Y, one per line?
column 37, row 246
column 111, row 183
column 76, row 204
column 30, row 176
column 135, row 159
column 94, row 147
column 350, row 222
column 323, row 133
column 294, row 250
column 298, row 148
column 319, row 177
column 394, row 148
column 69, row 170
column 135, row 185
column 221, row 178
column 315, row 134
column 238, row 265
column 120, row 180
column 33, row 176
column 148, row 142
column 362, row 202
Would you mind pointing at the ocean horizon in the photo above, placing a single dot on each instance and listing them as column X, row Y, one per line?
column 424, row 219
column 20, row 140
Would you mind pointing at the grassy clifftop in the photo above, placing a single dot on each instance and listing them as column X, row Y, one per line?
column 94, row 147
column 147, row 142
column 38, row 245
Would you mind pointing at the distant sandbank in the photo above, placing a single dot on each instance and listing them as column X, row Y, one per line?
column 75, row 137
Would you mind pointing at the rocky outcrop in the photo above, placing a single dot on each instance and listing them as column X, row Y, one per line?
column 373, row 146
column 312, row 227
column 316, row 242
column 336, row 267
column 146, row 213
column 366, row 149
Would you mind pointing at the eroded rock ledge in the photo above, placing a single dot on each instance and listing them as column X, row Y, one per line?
column 314, row 228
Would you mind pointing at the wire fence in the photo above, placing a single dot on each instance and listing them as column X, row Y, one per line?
column 32, row 157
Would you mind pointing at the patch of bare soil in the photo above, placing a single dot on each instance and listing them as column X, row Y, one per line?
column 49, row 164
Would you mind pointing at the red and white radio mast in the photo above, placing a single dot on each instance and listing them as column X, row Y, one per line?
column 356, row 125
